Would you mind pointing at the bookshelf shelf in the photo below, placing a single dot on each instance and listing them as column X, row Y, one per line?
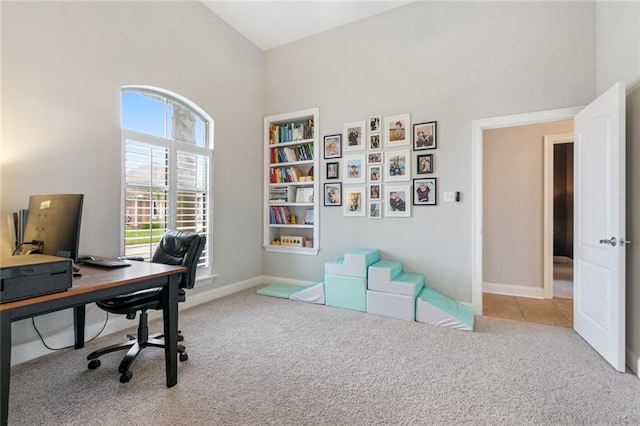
column 291, row 189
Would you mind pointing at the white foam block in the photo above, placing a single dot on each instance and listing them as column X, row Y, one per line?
column 391, row 305
column 312, row 294
column 405, row 283
column 354, row 264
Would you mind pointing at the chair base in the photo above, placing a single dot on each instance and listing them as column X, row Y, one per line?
column 133, row 346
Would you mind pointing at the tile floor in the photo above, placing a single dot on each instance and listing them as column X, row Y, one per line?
column 556, row 312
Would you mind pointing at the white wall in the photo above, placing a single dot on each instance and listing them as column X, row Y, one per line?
column 447, row 61
column 63, row 65
column 513, row 201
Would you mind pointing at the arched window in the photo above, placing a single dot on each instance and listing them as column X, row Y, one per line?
column 167, row 169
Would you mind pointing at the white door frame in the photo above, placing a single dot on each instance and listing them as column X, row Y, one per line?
column 547, row 240
column 477, row 128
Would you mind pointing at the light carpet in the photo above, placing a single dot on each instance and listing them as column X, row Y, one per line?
column 257, row 360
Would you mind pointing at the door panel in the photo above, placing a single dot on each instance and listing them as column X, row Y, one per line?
column 599, row 275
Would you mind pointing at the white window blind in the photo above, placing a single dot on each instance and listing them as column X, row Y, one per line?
column 167, row 172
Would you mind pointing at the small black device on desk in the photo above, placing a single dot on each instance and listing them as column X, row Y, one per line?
column 105, row 263
column 22, row 277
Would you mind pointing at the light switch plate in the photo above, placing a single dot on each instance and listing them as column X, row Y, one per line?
column 449, row 197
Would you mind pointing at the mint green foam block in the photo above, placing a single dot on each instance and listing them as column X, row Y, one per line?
column 345, row 292
column 281, row 290
column 433, row 307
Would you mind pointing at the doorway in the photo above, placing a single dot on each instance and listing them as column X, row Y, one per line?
column 479, row 126
column 528, row 194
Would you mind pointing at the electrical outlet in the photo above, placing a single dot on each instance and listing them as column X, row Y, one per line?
column 449, row 197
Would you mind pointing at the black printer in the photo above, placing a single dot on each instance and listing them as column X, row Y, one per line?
column 22, row 277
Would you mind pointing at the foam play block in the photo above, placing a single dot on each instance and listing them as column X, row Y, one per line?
column 391, row 305
column 354, row 263
column 313, row 293
column 433, row 307
column 281, row 290
column 345, row 292
column 385, row 270
column 406, row 284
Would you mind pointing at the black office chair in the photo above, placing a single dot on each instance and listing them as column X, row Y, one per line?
column 175, row 248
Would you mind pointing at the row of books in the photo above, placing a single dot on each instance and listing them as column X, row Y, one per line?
column 288, row 154
column 279, row 194
column 298, row 131
column 285, row 174
column 280, row 215
column 17, row 222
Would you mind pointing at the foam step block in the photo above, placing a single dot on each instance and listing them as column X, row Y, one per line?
column 385, row 270
column 391, row 305
column 433, row 307
column 405, row 283
column 281, row 290
column 345, row 292
column 313, row 293
column 353, row 264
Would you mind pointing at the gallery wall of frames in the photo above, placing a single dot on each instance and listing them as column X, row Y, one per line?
column 368, row 167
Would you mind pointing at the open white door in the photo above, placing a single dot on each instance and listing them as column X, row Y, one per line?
column 599, row 233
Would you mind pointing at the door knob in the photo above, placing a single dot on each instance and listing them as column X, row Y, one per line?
column 612, row 241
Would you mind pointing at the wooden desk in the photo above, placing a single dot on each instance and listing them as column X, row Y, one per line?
column 95, row 284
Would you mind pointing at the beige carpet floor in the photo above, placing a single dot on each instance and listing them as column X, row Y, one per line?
column 256, row 360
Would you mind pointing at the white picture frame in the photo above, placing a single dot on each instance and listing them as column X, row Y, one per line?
column 375, row 173
column 375, row 210
column 397, row 201
column 375, row 192
column 354, row 136
column 355, row 201
column 397, row 165
column 397, row 130
column 354, row 168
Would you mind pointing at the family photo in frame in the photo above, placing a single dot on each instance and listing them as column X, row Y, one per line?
column 354, row 134
column 425, row 163
column 397, row 128
column 396, row 201
column 424, row 136
column 333, row 194
column 333, row 170
column 425, row 192
column 333, row 146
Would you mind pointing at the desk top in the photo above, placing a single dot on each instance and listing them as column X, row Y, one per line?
column 95, row 278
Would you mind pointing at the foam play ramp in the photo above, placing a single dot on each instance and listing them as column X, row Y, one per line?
column 313, row 293
column 281, row 290
column 435, row 308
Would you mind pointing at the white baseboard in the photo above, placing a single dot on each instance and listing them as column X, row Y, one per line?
column 633, row 361
column 117, row 323
column 513, row 290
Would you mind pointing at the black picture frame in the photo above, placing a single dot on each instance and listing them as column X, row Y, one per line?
column 332, row 147
column 424, row 164
column 333, row 198
column 427, row 196
column 430, row 138
column 333, row 170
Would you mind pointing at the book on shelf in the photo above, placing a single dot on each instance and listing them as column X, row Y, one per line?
column 308, row 217
column 289, row 154
column 279, row 194
column 304, row 195
column 290, row 132
column 285, row 174
column 280, row 215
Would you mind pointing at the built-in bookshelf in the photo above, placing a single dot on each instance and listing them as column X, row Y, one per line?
column 291, row 182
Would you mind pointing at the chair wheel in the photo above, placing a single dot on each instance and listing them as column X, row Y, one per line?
column 126, row 376
column 180, row 338
column 184, row 356
column 94, row 364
